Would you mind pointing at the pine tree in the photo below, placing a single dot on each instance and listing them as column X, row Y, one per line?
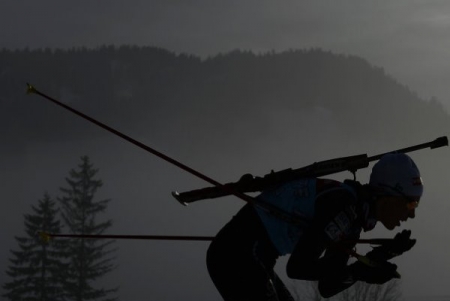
column 37, row 268
column 90, row 259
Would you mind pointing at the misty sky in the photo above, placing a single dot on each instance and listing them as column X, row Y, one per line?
column 409, row 39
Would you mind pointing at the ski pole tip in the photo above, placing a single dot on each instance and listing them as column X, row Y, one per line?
column 44, row 236
column 30, row 89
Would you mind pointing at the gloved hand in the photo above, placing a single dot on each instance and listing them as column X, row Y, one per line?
column 380, row 274
column 397, row 246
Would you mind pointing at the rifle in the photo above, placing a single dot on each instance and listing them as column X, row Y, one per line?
column 249, row 183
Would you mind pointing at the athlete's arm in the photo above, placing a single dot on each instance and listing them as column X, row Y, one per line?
column 335, row 213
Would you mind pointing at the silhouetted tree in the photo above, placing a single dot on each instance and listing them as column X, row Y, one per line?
column 89, row 259
column 37, row 267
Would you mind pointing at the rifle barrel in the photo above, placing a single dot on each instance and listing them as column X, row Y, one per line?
column 439, row 142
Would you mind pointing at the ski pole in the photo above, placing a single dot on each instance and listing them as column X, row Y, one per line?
column 271, row 209
column 31, row 89
column 45, row 236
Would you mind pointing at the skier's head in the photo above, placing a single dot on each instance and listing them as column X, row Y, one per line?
column 397, row 175
column 396, row 180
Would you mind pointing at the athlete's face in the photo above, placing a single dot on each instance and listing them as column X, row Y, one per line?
column 393, row 210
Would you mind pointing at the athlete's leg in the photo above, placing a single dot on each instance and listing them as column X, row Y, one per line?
column 239, row 278
column 240, row 260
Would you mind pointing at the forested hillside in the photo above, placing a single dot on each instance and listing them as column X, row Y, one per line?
column 146, row 89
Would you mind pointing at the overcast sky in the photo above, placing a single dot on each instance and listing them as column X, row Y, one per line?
column 409, row 39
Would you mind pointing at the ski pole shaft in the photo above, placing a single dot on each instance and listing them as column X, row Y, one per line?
column 281, row 214
column 31, row 89
column 47, row 236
